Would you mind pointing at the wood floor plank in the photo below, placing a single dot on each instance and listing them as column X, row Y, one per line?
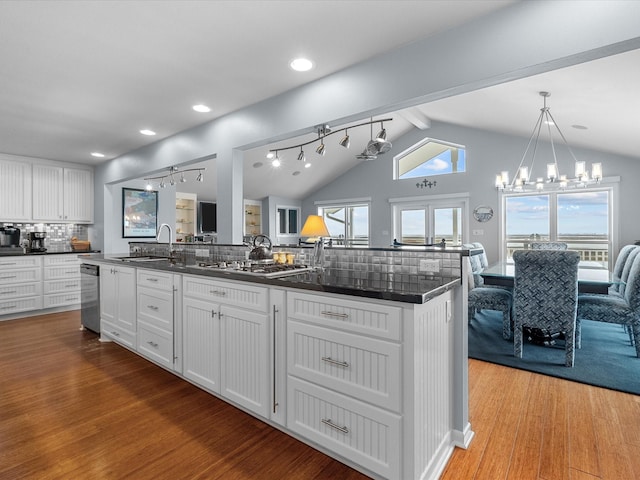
column 583, row 448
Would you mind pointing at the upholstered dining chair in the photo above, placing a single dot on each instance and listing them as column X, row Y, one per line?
column 548, row 246
column 545, row 295
column 487, row 297
column 622, row 309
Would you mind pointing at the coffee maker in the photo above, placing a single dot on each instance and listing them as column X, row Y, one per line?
column 36, row 242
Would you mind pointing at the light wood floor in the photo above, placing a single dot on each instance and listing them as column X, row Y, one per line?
column 73, row 408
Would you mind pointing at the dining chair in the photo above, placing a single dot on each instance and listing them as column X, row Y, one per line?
column 548, row 246
column 482, row 297
column 621, row 309
column 545, row 295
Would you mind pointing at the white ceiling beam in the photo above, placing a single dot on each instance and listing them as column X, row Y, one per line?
column 414, row 116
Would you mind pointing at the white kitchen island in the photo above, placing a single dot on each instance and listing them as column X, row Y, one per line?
column 377, row 384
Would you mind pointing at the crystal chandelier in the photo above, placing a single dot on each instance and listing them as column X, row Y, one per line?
column 523, row 180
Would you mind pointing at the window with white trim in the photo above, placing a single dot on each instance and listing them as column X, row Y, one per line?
column 348, row 224
column 583, row 219
column 429, row 157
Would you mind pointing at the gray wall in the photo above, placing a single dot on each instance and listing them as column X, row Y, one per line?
column 503, row 46
column 487, row 154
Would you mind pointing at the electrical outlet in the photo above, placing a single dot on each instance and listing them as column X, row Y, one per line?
column 202, row 252
column 429, row 266
column 477, row 233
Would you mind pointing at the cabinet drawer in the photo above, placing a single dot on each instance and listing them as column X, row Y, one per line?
column 20, row 305
column 363, row 433
column 19, row 262
column 156, row 307
column 149, row 278
column 117, row 334
column 62, row 271
column 61, row 299
column 242, row 295
column 20, row 290
column 156, row 345
column 10, row 277
column 59, row 286
column 365, row 368
column 61, row 260
column 355, row 316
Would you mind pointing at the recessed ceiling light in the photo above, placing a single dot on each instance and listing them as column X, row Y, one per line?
column 579, row 127
column 301, row 64
column 296, row 173
column 147, row 132
column 97, row 154
column 201, row 108
column 257, row 165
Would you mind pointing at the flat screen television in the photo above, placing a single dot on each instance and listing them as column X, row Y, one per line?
column 207, row 217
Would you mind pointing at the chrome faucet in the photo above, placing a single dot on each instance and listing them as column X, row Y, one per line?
column 170, row 236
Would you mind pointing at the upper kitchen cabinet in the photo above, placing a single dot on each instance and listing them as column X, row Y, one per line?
column 62, row 194
column 15, row 191
column 185, row 216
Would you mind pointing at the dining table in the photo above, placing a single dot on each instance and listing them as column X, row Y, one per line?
column 590, row 279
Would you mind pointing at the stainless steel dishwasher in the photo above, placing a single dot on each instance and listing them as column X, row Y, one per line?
column 90, row 297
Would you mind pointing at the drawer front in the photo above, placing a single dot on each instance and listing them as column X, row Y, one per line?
column 156, row 307
column 59, row 286
column 152, row 279
column 354, row 316
column 19, row 262
column 61, row 260
column 156, row 345
column 118, row 335
column 362, row 433
column 366, row 368
column 61, row 299
column 11, row 277
column 61, row 271
column 21, row 290
column 242, row 295
column 20, row 305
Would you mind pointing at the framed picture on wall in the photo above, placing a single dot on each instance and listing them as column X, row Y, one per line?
column 139, row 213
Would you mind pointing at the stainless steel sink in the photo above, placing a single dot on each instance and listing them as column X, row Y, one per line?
column 142, row 259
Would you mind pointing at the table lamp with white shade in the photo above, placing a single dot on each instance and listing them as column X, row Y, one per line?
column 314, row 226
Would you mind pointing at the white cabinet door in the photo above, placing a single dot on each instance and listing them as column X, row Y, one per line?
column 201, row 343
column 108, row 294
column 15, row 190
column 78, row 195
column 126, row 292
column 244, row 361
column 47, row 192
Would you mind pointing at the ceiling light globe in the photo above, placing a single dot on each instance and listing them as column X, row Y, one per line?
column 276, row 162
column 301, row 64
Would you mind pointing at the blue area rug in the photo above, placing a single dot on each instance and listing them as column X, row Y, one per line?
column 606, row 358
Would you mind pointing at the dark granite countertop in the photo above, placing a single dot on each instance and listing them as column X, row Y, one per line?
column 384, row 286
column 19, row 252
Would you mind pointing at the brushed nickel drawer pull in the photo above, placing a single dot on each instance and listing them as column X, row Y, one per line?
column 71, row 272
column 9, row 292
column 115, row 333
column 7, row 278
column 8, row 307
column 328, row 422
column 152, row 279
column 153, row 344
column 334, row 314
column 14, row 263
column 152, row 307
column 71, row 285
column 335, row 362
column 218, row 292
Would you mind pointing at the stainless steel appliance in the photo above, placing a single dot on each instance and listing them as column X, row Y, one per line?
column 90, row 297
column 9, row 237
column 36, row 242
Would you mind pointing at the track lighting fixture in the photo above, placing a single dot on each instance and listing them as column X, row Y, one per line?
column 173, row 171
column 276, row 161
column 375, row 146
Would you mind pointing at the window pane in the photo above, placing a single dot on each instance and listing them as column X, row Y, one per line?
column 293, row 221
column 583, row 223
column 448, row 225
column 359, row 225
column 527, row 219
column 334, row 219
column 282, row 221
column 431, row 158
column 413, row 226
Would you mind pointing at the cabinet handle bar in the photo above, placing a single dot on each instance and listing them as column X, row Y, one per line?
column 335, row 362
column 328, row 422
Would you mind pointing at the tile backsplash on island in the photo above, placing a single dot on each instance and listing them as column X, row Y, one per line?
column 58, row 234
column 369, row 261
